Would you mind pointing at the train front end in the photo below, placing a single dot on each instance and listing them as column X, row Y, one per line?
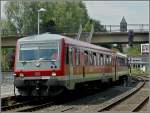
column 39, row 66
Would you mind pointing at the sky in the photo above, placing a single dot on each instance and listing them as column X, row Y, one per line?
column 2, row 9
column 111, row 12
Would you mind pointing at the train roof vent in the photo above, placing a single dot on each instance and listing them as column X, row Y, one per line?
column 44, row 36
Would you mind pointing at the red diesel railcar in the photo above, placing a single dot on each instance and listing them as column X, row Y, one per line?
column 47, row 64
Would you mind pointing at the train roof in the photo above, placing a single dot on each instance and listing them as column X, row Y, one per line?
column 41, row 37
column 48, row 37
column 121, row 54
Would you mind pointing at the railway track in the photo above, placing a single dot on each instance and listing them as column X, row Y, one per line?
column 141, row 104
column 133, row 101
column 27, row 105
column 112, row 103
column 30, row 108
column 14, row 102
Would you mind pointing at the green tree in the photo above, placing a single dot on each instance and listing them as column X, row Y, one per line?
column 135, row 50
column 65, row 16
column 7, row 27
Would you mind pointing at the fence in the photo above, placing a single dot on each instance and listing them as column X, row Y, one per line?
column 134, row 27
column 64, row 29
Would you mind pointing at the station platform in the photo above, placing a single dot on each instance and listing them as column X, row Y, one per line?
column 7, row 87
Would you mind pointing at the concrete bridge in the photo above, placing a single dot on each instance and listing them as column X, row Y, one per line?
column 98, row 38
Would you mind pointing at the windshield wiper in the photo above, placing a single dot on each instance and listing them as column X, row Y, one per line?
column 53, row 61
column 23, row 62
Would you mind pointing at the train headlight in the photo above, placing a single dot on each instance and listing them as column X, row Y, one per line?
column 53, row 74
column 14, row 74
column 21, row 75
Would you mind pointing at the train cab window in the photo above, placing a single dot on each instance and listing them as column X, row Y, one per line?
column 86, row 57
column 67, row 55
column 77, row 56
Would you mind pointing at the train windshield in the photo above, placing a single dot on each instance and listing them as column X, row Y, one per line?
column 42, row 51
column 28, row 54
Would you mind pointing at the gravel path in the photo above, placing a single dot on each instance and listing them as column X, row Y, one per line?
column 89, row 103
column 7, row 87
column 132, row 101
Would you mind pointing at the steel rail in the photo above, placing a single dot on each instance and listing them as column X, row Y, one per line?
column 109, row 106
column 67, row 109
column 17, row 105
column 140, row 105
column 38, row 107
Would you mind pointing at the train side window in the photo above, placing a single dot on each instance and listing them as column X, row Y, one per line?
column 90, row 58
column 94, row 59
column 86, row 57
column 67, row 55
column 71, row 56
column 124, row 61
column 97, row 59
column 104, row 60
column 121, row 61
column 77, row 56
column 101, row 59
column 107, row 60
column 110, row 60
column 117, row 61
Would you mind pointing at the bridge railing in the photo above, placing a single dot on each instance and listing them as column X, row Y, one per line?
column 60, row 30
column 26, row 32
column 134, row 27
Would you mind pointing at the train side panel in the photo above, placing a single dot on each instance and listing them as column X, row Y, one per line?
column 81, row 69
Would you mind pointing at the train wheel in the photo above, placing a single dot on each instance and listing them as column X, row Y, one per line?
column 110, row 83
column 54, row 91
column 23, row 92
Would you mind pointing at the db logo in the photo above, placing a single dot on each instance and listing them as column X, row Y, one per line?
column 37, row 73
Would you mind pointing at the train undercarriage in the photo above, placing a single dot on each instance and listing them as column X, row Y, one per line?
column 53, row 87
column 39, row 87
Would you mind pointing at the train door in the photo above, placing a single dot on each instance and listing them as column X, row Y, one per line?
column 71, row 60
column 114, row 67
column 85, row 63
column 81, row 66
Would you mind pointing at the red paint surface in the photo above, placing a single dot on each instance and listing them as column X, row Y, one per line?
column 48, row 72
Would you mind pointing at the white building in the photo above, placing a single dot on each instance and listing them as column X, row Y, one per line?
column 144, row 48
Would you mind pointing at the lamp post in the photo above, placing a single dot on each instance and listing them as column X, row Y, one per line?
column 40, row 10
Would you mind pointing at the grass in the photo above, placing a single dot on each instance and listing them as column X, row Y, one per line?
column 137, row 72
